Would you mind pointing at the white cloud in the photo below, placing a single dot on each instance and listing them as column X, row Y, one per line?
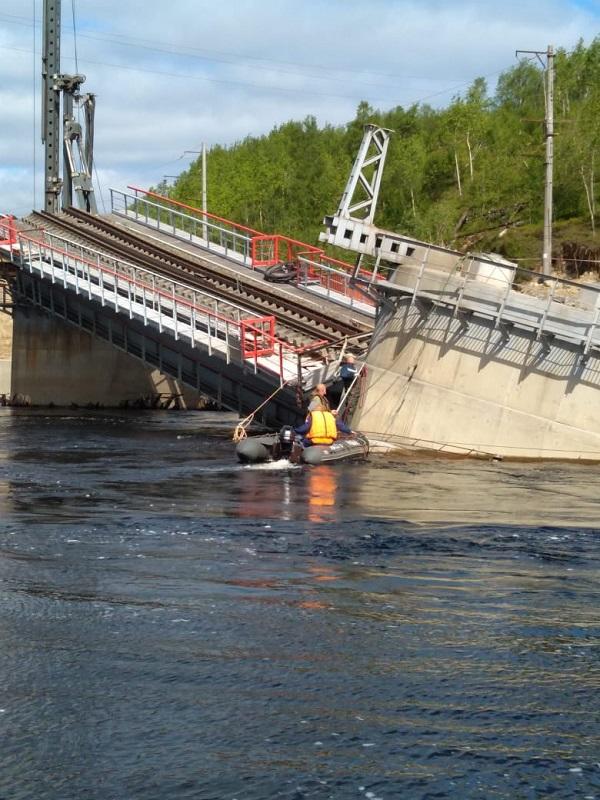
column 170, row 75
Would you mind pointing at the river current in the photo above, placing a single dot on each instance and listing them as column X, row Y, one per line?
column 174, row 625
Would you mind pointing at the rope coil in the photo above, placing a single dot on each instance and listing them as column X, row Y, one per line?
column 240, row 429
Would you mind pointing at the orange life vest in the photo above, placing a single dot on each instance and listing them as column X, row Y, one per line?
column 323, row 429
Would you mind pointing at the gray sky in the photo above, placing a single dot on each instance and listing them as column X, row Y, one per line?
column 170, row 75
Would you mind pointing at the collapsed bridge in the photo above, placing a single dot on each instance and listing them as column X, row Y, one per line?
column 184, row 293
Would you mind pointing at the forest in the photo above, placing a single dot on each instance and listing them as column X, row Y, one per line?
column 468, row 176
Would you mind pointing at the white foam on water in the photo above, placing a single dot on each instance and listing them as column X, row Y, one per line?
column 268, row 466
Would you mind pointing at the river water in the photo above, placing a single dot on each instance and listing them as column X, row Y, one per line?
column 174, row 625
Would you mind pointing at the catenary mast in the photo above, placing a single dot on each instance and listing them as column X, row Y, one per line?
column 77, row 155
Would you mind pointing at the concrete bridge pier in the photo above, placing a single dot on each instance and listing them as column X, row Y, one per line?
column 464, row 385
column 44, row 361
column 6, row 338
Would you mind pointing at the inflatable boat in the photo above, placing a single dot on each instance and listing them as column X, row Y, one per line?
column 275, row 446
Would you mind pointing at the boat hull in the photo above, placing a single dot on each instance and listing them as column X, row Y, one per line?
column 353, row 447
column 259, row 449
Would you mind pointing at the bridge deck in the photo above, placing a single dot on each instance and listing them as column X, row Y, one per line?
column 314, row 300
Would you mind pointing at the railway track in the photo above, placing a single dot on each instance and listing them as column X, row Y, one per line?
column 299, row 322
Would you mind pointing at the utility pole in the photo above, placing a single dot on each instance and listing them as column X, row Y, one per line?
column 204, row 206
column 204, row 203
column 549, row 139
column 165, row 179
column 549, row 134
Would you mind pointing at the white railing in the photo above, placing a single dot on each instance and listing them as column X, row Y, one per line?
column 210, row 232
column 323, row 277
column 220, row 327
column 509, row 295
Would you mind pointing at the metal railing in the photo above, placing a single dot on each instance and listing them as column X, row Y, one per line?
column 318, row 273
column 510, row 296
column 177, row 219
column 8, row 230
column 224, row 329
column 270, row 249
column 329, row 277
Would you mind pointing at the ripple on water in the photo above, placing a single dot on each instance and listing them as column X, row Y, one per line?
column 177, row 625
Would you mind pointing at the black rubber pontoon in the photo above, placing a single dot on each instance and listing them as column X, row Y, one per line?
column 275, row 446
column 354, row 446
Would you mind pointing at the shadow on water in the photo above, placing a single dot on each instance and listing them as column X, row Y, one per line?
column 177, row 625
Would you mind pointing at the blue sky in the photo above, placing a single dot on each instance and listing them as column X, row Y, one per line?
column 171, row 75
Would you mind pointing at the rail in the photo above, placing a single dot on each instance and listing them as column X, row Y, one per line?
column 224, row 329
column 318, row 274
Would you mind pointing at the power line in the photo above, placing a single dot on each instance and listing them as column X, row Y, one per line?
column 259, row 63
column 269, row 88
column 34, row 132
column 74, row 35
column 238, row 59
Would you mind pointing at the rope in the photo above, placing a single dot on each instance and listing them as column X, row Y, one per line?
column 412, row 443
column 346, row 392
column 240, row 429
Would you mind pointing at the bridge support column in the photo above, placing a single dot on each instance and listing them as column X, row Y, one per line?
column 6, row 339
column 53, row 362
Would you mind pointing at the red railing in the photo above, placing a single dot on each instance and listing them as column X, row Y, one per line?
column 256, row 334
column 315, row 267
column 267, row 250
column 270, row 249
column 8, row 230
column 332, row 275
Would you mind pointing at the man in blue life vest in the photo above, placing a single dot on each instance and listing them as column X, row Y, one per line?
column 348, row 371
column 321, row 427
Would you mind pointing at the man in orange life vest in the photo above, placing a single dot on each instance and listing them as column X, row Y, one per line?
column 321, row 427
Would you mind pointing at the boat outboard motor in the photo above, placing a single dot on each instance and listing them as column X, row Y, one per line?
column 286, row 440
